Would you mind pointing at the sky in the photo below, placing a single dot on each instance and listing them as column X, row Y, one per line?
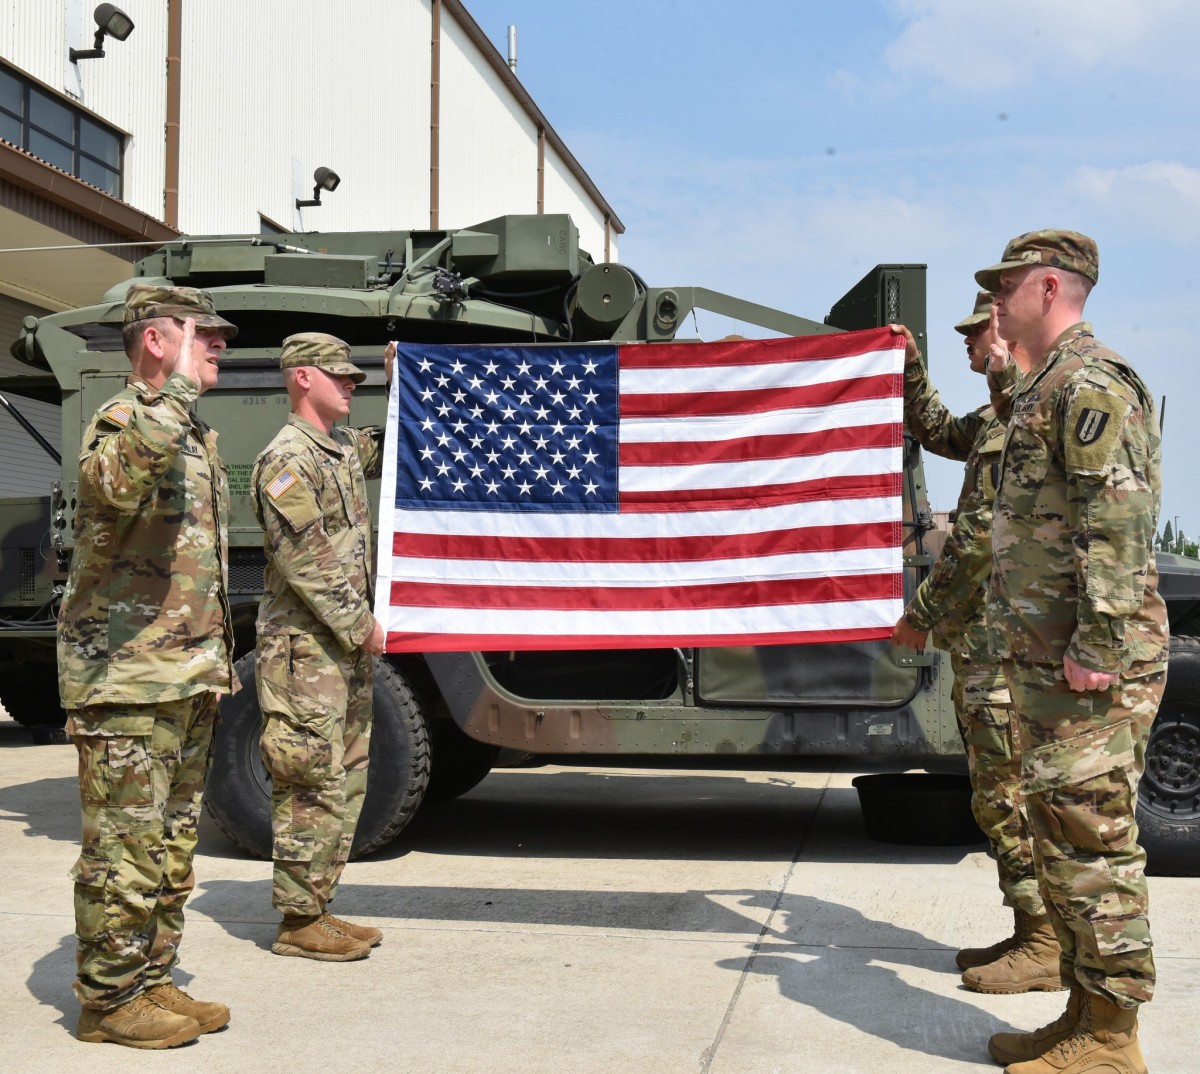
column 778, row 150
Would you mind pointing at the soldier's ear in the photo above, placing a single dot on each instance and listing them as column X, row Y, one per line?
column 154, row 341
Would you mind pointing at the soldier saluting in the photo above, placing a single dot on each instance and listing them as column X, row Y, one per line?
column 145, row 646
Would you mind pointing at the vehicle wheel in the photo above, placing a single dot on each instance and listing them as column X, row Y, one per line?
column 238, row 795
column 1168, row 813
column 459, row 761
column 30, row 694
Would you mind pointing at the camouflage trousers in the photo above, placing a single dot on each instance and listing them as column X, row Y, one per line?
column 988, row 725
column 140, row 797
column 1083, row 754
column 316, row 705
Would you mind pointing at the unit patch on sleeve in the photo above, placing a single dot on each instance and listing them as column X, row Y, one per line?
column 1095, row 424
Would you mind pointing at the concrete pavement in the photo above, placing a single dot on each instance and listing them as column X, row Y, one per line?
column 599, row 921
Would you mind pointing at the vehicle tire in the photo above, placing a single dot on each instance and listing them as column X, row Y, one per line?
column 30, row 694
column 459, row 761
column 1168, row 812
column 238, row 795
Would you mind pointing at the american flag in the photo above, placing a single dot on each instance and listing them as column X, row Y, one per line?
column 642, row 495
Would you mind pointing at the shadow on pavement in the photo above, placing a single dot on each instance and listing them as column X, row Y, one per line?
column 48, row 808
column 824, row 955
column 855, row 980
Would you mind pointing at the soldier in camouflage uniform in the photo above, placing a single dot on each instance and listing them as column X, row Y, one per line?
column 1075, row 614
column 316, row 638
column 144, row 653
column 950, row 603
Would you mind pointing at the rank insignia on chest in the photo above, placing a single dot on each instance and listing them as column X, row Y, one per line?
column 281, row 484
column 1090, row 425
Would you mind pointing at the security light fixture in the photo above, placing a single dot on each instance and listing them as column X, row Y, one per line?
column 111, row 22
column 325, row 179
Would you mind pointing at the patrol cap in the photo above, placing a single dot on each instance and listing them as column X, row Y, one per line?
column 146, row 301
column 1059, row 249
column 981, row 314
column 327, row 353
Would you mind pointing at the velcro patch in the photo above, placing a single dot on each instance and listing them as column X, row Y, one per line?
column 292, row 499
column 284, row 481
column 119, row 415
column 1095, row 424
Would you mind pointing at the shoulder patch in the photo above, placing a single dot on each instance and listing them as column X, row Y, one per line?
column 284, row 481
column 291, row 498
column 1094, row 427
column 119, row 414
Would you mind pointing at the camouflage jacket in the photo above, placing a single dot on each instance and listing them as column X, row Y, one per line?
column 145, row 615
column 310, row 495
column 1073, row 570
column 950, row 601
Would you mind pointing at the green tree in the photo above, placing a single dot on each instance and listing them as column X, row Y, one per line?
column 1167, row 540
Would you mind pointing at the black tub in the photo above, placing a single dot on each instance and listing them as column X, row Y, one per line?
column 918, row 808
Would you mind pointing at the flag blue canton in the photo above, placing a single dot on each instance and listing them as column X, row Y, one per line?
column 507, row 428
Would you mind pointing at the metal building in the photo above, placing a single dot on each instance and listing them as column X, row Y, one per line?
column 212, row 116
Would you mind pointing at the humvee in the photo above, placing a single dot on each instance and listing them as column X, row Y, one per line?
column 441, row 719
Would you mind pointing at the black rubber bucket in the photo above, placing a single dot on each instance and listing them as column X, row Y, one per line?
column 918, row 808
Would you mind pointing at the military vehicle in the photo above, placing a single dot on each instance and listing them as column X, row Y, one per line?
column 442, row 718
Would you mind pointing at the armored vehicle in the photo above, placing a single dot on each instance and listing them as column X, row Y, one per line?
column 442, row 718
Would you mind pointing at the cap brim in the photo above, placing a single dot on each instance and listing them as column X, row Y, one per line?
column 344, row 369
column 968, row 324
column 207, row 320
column 989, row 278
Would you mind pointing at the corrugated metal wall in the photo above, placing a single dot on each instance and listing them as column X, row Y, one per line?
column 127, row 88
column 565, row 194
column 29, row 471
column 273, row 89
column 303, row 85
column 489, row 143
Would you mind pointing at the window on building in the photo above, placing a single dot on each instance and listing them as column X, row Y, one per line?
column 52, row 128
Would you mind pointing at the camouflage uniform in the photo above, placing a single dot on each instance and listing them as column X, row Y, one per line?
column 1073, row 575
column 950, row 604
column 145, row 646
column 314, row 679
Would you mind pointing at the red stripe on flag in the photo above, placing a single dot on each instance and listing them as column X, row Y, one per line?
column 399, row 641
column 740, row 594
column 522, row 549
column 746, row 448
column 668, row 356
column 758, row 400
column 865, row 486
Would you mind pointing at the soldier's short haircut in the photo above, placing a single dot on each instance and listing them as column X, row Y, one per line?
column 131, row 333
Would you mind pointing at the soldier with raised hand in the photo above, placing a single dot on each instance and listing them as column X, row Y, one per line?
column 950, row 603
column 316, row 639
column 145, row 644
column 1075, row 615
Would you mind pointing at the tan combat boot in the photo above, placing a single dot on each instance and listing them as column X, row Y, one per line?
column 981, row 956
column 314, row 937
column 366, row 933
column 209, row 1014
column 1104, row 1042
column 142, row 1022
column 1008, row 1048
column 1031, row 966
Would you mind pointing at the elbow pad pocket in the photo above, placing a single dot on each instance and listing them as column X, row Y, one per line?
column 1118, row 550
